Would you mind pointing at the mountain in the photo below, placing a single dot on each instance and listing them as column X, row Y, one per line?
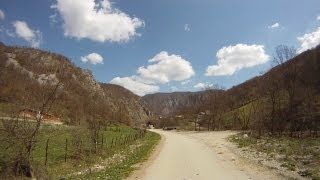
column 28, row 75
column 294, row 74
column 177, row 102
column 127, row 103
column 304, row 69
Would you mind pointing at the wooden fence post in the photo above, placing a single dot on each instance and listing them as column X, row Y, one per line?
column 117, row 141
column 47, row 147
column 102, row 142
column 32, row 152
column 111, row 143
column 66, row 149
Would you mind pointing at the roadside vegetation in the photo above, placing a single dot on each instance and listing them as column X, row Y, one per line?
column 32, row 147
column 299, row 155
column 124, row 162
column 71, row 152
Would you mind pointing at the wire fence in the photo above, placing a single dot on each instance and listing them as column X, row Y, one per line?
column 65, row 146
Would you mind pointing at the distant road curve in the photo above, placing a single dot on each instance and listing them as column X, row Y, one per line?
column 189, row 156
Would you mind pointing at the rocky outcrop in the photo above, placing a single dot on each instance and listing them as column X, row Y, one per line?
column 176, row 102
column 128, row 105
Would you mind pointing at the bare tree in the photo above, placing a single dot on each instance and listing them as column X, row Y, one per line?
column 214, row 106
column 274, row 102
column 20, row 133
column 291, row 85
column 95, row 127
column 245, row 117
column 258, row 113
column 281, row 89
column 283, row 53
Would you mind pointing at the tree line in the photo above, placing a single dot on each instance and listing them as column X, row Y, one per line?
column 284, row 100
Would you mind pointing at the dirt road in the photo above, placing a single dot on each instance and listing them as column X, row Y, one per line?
column 203, row 156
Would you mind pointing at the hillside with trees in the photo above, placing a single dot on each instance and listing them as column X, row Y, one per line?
column 27, row 75
column 285, row 99
column 41, row 90
column 166, row 104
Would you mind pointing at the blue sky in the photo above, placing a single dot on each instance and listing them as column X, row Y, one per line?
column 163, row 45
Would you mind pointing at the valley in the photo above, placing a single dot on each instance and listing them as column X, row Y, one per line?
column 53, row 112
column 159, row 90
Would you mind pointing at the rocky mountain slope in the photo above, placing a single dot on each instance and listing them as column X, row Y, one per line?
column 176, row 102
column 28, row 75
column 126, row 104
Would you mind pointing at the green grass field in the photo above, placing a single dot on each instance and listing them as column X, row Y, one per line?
column 82, row 153
column 130, row 156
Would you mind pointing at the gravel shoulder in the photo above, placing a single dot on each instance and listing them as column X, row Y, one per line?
column 199, row 155
column 218, row 142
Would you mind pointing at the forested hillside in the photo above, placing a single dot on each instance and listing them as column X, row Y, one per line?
column 28, row 75
column 285, row 99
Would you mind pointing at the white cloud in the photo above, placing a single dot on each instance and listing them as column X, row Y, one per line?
column 309, row 40
column 187, row 27
column 174, row 88
column 53, row 19
column 274, row 26
column 185, row 82
column 96, row 20
column 234, row 58
column 165, row 68
column 22, row 30
column 2, row 16
column 134, row 85
column 10, row 33
column 93, row 58
column 203, row 85
column 318, row 18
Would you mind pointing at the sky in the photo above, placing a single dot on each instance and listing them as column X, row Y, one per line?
column 151, row 46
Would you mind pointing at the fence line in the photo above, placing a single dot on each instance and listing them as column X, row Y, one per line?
column 115, row 142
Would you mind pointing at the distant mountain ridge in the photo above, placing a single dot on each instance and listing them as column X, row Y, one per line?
column 176, row 102
column 307, row 65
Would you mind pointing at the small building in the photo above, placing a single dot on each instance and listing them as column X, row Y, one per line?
column 33, row 114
